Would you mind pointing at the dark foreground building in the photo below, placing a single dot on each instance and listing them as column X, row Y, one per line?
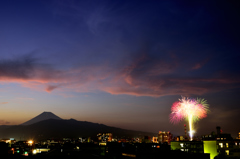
column 110, row 150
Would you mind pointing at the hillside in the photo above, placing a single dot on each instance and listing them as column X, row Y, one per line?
column 57, row 129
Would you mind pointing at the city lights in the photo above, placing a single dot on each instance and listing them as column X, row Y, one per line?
column 30, row 142
column 34, row 151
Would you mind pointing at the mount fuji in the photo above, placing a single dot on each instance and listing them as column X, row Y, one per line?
column 41, row 117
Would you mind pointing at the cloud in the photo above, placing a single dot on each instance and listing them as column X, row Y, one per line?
column 141, row 79
column 50, row 88
column 199, row 65
column 142, row 75
column 19, row 69
column 3, row 102
column 26, row 69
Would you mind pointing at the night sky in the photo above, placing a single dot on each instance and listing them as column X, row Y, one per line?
column 120, row 63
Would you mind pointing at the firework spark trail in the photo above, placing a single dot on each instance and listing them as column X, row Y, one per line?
column 189, row 109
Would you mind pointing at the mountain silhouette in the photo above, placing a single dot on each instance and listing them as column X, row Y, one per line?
column 41, row 117
column 49, row 126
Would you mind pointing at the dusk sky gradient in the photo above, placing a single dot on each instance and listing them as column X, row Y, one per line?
column 120, row 63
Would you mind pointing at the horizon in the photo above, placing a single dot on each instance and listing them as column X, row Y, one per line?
column 174, row 135
column 120, row 63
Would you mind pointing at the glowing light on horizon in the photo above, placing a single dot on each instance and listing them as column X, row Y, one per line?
column 30, row 141
column 190, row 109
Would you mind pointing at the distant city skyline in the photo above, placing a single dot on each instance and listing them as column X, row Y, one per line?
column 120, row 63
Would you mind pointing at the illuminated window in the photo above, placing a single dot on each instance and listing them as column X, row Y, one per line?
column 181, row 144
column 227, row 152
column 221, row 145
column 226, row 144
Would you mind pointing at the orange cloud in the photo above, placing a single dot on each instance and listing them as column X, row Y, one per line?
column 50, row 88
column 200, row 64
column 142, row 77
column 4, row 103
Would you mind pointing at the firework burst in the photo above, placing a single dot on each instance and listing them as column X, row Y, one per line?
column 190, row 109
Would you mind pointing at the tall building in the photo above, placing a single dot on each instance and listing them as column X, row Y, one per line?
column 164, row 137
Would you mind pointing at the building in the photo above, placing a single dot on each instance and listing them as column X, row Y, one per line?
column 154, row 139
column 105, row 137
column 215, row 144
column 9, row 141
column 226, row 148
column 164, row 137
column 226, row 145
column 199, row 147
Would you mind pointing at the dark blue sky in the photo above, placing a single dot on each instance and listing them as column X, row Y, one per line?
column 120, row 63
